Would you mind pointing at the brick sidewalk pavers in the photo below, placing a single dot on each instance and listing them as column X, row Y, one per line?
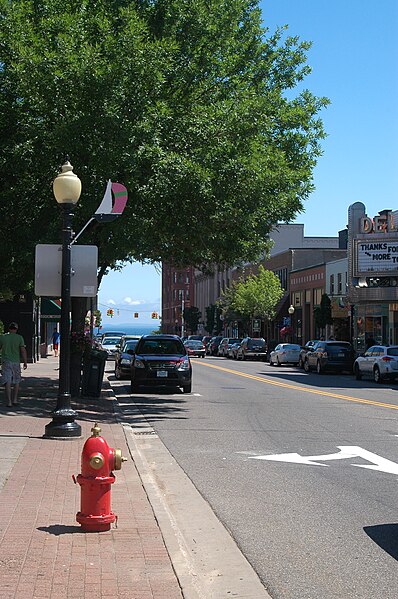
column 43, row 552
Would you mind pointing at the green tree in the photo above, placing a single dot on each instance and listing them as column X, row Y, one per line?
column 258, row 295
column 190, row 104
column 323, row 313
column 192, row 316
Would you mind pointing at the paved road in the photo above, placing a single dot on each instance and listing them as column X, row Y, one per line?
column 324, row 527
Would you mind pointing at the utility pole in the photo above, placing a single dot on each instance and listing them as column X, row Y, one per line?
column 182, row 316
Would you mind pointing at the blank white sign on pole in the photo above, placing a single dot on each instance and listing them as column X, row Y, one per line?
column 48, row 270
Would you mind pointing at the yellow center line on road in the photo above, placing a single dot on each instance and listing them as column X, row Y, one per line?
column 298, row 388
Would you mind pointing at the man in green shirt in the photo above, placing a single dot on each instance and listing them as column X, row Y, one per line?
column 13, row 349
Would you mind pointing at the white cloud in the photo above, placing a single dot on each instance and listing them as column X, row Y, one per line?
column 131, row 302
column 112, row 302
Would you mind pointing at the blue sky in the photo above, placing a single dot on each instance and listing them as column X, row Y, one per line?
column 354, row 58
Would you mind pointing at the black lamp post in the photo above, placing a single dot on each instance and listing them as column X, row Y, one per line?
column 67, row 188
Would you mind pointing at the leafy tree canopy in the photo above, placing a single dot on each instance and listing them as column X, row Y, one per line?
column 189, row 104
column 192, row 316
column 257, row 296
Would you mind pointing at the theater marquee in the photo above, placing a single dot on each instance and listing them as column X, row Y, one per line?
column 376, row 256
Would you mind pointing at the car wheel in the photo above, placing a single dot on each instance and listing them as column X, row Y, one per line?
column 187, row 388
column 376, row 375
column 357, row 372
column 306, row 366
column 319, row 367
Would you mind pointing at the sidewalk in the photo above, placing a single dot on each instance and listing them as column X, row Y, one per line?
column 43, row 552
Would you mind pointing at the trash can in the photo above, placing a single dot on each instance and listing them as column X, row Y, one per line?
column 93, row 372
column 43, row 350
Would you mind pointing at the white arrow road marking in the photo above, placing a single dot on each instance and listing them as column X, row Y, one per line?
column 346, row 452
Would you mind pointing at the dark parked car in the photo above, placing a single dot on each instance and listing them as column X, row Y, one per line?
column 304, row 350
column 161, row 361
column 195, row 349
column 252, row 348
column 123, row 358
column 330, row 355
column 212, row 347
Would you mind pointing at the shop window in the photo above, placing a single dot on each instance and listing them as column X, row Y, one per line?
column 331, row 284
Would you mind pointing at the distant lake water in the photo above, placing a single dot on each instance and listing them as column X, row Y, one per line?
column 129, row 329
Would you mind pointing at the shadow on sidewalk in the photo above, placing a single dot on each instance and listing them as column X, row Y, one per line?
column 59, row 529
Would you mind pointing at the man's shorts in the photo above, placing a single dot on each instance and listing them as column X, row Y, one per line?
column 11, row 373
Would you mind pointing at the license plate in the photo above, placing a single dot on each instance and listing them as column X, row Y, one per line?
column 162, row 374
column 340, row 355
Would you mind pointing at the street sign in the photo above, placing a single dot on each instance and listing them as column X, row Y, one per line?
column 48, row 270
column 256, row 325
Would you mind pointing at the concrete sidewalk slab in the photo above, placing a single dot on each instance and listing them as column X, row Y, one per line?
column 43, row 552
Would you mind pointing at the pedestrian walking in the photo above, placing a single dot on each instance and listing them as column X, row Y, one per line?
column 13, row 351
column 55, row 340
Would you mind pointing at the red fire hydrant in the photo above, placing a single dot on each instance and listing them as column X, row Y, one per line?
column 95, row 480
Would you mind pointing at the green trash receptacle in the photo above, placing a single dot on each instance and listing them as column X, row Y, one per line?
column 93, row 372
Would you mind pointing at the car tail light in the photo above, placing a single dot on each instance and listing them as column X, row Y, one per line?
column 387, row 359
column 183, row 364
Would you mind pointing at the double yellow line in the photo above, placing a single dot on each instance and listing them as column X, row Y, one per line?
column 300, row 388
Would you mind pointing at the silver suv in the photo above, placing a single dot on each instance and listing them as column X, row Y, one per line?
column 379, row 362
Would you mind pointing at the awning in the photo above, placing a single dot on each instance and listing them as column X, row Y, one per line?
column 50, row 309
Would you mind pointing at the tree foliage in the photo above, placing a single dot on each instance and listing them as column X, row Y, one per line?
column 323, row 312
column 192, row 316
column 256, row 297
column 184, row 102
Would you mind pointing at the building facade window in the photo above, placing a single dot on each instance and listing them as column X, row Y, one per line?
column 331, row 284
column 339, row 283
column 317, row 297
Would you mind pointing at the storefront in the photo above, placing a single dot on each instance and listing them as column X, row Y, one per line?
column 373, row 277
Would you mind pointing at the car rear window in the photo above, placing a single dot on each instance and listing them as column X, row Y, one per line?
column 256, row 343
column 160, row 346
column 338, row 346
column 392, row 351
column 110, row 341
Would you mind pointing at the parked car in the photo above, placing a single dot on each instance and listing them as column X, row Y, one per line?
column 123, row 357
column 232, row 351
column 161, row 361
column 379, row 362
column 110, row 345
column 252, row 348
column 304, row 351
column 195, row 348
column 285, row 353
column 330, row 355
column 205, row 340
column 212, row 347
column 225, row 344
